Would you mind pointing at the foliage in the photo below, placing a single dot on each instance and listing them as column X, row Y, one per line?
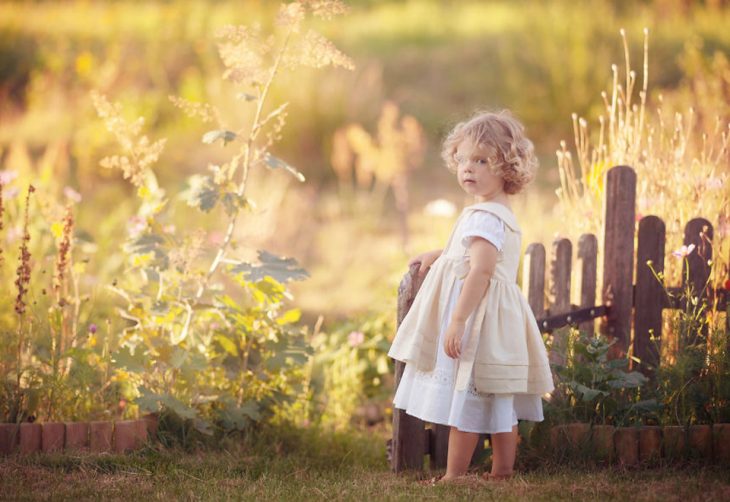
column 591, row 387
column 202, row 333
column 680, row 156
column 693, row 378
column 349, row 370
column 227, row 352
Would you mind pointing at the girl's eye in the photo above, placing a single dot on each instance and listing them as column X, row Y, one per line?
column 482, row 161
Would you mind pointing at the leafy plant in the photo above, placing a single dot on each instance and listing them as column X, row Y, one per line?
column 208, row 336
column 593, row 388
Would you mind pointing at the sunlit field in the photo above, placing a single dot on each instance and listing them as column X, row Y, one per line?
column 206, row 209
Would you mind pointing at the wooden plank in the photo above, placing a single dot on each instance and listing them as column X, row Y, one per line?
column 409, row 440
column 439, row 446
column 560, row 269
column 649, row 293
column 533, row 278
column 551, row 323
column 696, row 266
column 696, row 270
column 588, row 259
column 618, row 255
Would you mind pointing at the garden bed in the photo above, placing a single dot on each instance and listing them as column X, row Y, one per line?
column 100, row 436
column 632, row 446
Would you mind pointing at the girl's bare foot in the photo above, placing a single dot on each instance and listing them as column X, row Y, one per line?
column 463, row 479
column 488, row 476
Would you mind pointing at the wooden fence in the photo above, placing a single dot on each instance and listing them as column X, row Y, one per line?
column 622, row 301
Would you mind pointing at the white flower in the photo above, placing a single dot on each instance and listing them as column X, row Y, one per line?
column 684, row 251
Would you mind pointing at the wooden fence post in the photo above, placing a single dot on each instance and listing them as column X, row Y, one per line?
column 533, row 278
column 618, row 255
column 649, row 295
column 588, row 256
column 560, row 269
column 696, row 267
column 409, row 435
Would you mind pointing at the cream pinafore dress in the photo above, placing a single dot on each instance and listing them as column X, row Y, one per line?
column 432, row 395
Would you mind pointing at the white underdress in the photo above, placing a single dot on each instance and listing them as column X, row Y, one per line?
column 430, row 395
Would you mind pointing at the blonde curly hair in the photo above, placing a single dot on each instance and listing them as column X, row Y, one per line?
column 505, row 135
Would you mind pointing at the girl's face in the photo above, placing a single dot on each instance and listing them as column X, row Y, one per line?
column 475, row 170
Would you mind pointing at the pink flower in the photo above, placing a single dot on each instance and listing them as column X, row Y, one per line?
column 355, row 338
column 72, row 194
column 7, row 176
column 135, row 226
column 92, row 328
column 684, row 251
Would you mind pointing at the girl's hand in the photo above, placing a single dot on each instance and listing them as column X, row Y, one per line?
column 425, row 259
column 452, row 339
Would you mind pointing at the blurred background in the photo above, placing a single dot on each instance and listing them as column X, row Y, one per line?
column 435, row 61
column 367, row 140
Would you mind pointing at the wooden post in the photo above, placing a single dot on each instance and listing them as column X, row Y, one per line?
column 409, row 439
column 588, row 256
column 533, row 278
column 649, row 293
column 618, row 255
column 696, row 268
column 439, row 446
column 560, row 268
column 698, row 232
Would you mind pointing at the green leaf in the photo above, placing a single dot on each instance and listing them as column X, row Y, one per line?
column 206, row 197
column 232, row 202
column 227, row 344
column 213, row 136
column 276, row 163
column 123, row 358
column 588, row 394
column 289, row 317
column 178, row 357
column 279, row 269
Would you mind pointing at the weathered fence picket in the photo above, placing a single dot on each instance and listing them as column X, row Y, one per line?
column 618, row 255
column 623, row 301
column 649, row 292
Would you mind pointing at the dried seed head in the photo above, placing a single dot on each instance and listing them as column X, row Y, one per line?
column 23, row 271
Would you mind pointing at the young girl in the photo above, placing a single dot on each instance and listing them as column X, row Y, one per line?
column 475, row 359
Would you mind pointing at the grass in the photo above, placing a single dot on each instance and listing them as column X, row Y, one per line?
column 285, row 465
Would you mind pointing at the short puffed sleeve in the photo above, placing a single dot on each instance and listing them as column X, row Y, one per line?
column 485, row 225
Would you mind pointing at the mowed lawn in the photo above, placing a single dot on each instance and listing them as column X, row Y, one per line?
column 321, row 466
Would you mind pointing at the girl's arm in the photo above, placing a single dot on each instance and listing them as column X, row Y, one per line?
column 425, row 259
column 482, row 262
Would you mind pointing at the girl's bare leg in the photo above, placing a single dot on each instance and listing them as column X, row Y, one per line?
column 461, row 449
column 504, row 451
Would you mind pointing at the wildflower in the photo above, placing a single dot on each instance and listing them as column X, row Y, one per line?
column 92, row 328
column 140, row 152
column 727, row 285
column 136, row 225
column 355, row 338
column 7, row 176
column 684, row 251
column 24, row 267
column 64, row 249
column 72, row 194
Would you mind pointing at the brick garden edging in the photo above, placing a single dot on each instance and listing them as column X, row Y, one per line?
column 98, row 437
column 631, row 446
